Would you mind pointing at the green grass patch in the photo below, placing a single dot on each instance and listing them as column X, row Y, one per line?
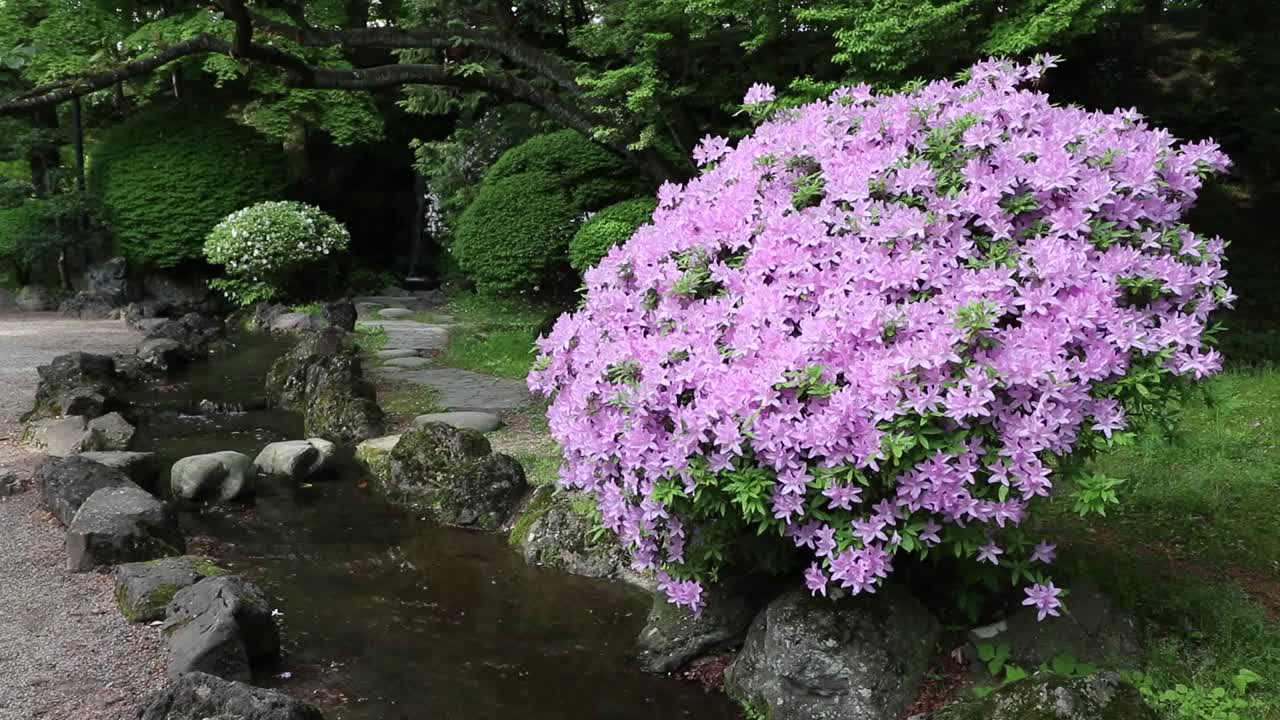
column 314, row 308
column 494, row 336
column 1211, row 490
column 405, row 401
column 371, row 339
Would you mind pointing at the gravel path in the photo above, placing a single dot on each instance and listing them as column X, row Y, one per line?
column 65, row 651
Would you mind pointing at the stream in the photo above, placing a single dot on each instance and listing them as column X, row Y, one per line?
column 388, row 616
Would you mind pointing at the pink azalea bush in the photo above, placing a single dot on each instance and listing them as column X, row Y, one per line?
column 885, row 325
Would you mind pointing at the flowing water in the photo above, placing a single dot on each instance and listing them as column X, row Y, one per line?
column 387, row 616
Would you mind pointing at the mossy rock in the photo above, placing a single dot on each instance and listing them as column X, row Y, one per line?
column 375, row 455
column 454, row 475
column 559, row 530
column 322, row 377
column 144, row 589
column 1044, row 696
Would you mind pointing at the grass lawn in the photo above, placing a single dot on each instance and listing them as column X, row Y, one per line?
column 494, row 336
column 1194, row 547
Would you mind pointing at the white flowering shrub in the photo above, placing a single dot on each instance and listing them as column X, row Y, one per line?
column 267, row 249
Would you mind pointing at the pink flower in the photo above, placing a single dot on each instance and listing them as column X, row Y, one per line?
column 1044, row 598
column 759, row 93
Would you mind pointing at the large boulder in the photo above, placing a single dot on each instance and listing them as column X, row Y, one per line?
column 200, row 696
column 121, row 525
column 194, row 332
column 218, row 477
column 145, row 589
column 1093, row 630
column 322, row 378
column 161, row 354
column 150, row 311
column 221, row 626
column 90, row 306
column 1045, row 696
column 34, row 298
column 455, row 476
column 75, row 384
column 673, row 637
column 110, row 432
column 556, row 529
column 140, row 467
column 811, row 658
column 110, row 279
column 183, row 295
column 296, row 322
column 297, row 459
column 64, row 484
column 341, row 314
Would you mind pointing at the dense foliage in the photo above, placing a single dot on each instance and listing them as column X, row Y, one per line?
column 273, row 249
column 611, row 226
column 884, row 326
column 165, row 176
column 514, row 236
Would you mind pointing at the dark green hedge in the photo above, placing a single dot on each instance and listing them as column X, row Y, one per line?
column 611, row 226
column 514, row 236
column 165, row 176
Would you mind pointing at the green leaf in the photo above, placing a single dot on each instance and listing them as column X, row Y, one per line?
column 1064, row 664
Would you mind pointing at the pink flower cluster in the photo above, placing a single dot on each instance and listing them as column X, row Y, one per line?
column 966, row 257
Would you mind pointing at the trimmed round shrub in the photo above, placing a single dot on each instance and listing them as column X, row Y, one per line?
column 885, row 327
column 165, row 176
column 272, row 250
column 592, row 176
column 611, row 226
column 515, row 236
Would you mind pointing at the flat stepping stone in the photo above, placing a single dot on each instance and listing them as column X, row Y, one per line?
column 396, row 354
column 479, row 421
column 466, row 390
column 410, row 335
column 407, row 362
column 395, row 313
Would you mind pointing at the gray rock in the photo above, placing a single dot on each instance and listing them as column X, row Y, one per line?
column 145, row 589
column 199, row 696
column 455, row 476
column 6, row 299
column 1098, row 696
column 109, row 278
column 396, row 354
column 59, row 437
column 140, row 467
column 221, row 626
column 90, row 306
column 64, row 484
column 479, row 421
column 297, row 322
column 374, row 455
column 75, row 384
column 394, row 313
column 407, row 362
column 297, row 459
column 136, row 312
column 196, row 333
column 422, row 338
column 217, row 477
column 121, row 525
column 34, row 298
column 1093, row 630
column 160, row 353
column 555, row 529
column 810, row 658
column 110, row 432
column 150, row 325
column 9, row 483
column 341, row 314
column 266, row 313
column 673, row 637
column 322, row 378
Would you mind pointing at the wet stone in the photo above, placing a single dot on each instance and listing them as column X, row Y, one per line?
column 121, row 525
column 145, row 589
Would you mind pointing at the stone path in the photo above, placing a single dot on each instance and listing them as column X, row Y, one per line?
column 463, row 389
column 405, row 359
